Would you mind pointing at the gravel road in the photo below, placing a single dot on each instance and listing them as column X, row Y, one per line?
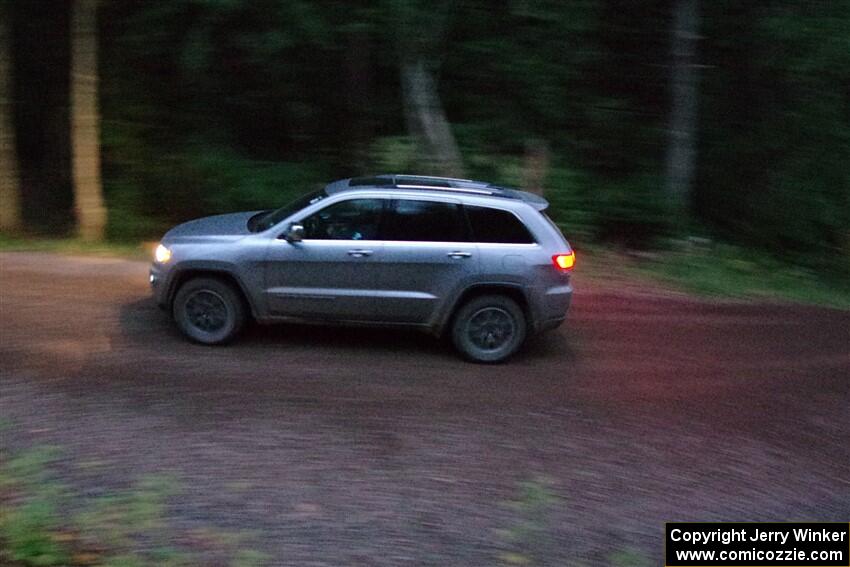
column 355, row 447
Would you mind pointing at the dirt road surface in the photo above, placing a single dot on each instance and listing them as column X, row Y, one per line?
column 353, row 447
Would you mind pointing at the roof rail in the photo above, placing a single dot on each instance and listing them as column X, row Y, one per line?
column 449, row 184
column 399, row 176
column 441, row 188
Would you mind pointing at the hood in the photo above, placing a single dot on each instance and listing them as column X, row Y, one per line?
column 232, row 224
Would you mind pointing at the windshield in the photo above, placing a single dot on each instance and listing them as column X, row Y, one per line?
column 268, row 220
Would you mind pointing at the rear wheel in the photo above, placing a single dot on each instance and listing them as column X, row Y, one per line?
column 489, row 328
column 209, row 311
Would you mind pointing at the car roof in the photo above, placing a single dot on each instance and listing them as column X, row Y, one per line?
column 407, row 182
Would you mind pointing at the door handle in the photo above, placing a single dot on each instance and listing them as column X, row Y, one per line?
column 359, row 253
column 459, row 254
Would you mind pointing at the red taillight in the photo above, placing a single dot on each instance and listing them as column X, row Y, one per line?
column 564, row 262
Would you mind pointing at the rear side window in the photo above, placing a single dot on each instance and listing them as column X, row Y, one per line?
column 494, row 225
column 424, row 221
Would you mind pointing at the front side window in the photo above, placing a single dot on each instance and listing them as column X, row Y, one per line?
column 497, row 226
column 424, row 221
column 356, row 219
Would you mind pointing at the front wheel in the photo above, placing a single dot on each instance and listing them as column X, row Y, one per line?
column 489, row 328
column 209, row 311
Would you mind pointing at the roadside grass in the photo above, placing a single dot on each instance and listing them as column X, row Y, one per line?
column 74, row 246
column 731, row 272
column 530, row 540
column 709, row 270
column 718, row 271
column 44, row 522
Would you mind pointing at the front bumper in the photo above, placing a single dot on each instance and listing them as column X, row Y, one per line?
column 159, row 289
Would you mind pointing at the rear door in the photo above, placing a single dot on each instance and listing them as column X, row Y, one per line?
column 426, row 258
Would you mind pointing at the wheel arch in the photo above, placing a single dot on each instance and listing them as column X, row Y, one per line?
column 515, row 292
column 224, row 272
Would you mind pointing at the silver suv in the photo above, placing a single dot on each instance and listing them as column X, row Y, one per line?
column 477, row 261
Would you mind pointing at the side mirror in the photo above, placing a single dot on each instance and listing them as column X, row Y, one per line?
column 295, row 233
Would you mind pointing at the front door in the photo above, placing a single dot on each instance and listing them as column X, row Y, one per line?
column 331, row 273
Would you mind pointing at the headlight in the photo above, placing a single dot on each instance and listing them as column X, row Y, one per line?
column 162, row 254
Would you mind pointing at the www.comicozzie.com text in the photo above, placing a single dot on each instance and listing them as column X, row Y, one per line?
column 755, row 534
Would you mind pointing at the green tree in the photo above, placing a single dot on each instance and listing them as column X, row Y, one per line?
column 775, row 165
column 216, row 104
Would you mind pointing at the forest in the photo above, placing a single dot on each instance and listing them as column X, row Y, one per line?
column 641, row 122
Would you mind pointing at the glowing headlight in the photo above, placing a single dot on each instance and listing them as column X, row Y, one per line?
column 162, row 254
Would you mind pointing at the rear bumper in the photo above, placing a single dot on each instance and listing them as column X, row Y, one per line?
column 553, row 306
column 550, row 324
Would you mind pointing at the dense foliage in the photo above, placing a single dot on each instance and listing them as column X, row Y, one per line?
column 212, row 105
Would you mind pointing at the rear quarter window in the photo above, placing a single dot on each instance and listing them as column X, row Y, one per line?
column 497, row 226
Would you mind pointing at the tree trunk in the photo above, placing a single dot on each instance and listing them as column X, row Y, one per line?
column 535, row 166
column 85, row 123
column 426, row 120
column 681, row 148
column 10, row 183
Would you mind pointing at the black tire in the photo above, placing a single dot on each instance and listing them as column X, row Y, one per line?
column 209, row 311
column 489, row 328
